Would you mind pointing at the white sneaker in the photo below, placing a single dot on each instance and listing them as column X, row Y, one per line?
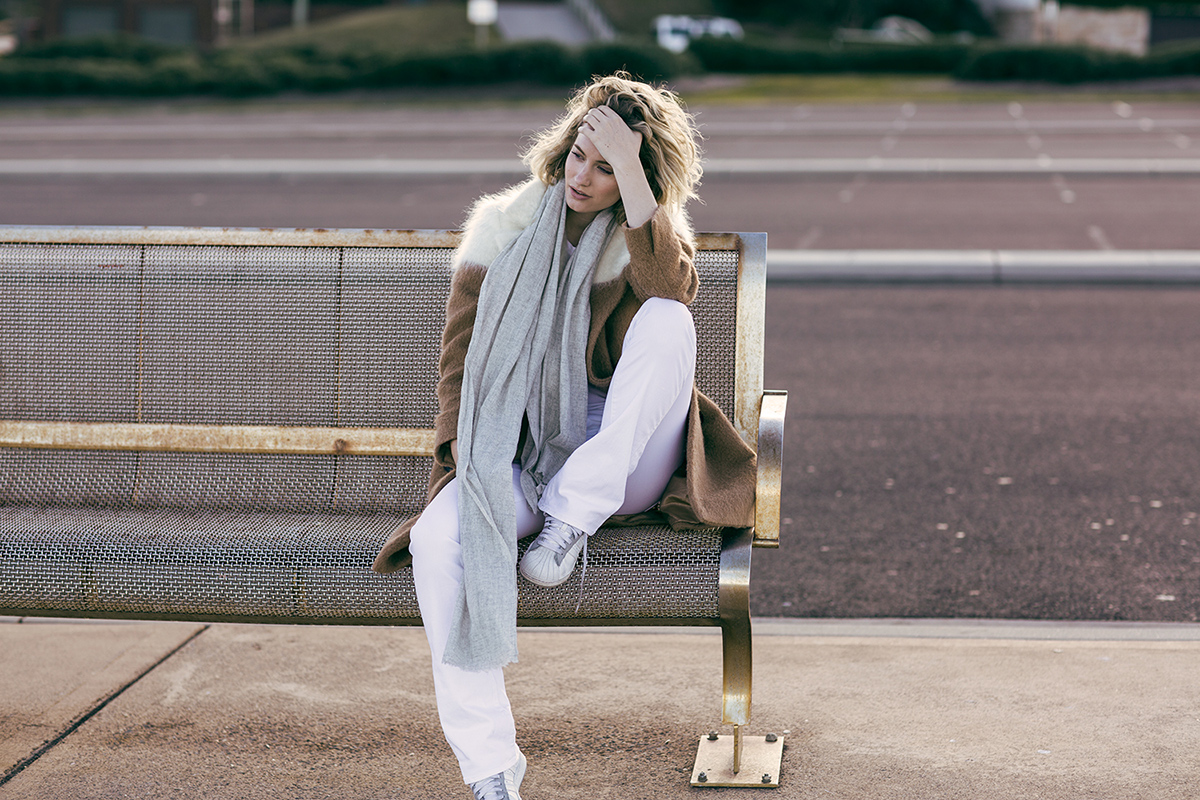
column 551, row 558
column 502, row 785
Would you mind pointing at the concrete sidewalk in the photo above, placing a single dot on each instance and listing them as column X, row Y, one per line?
column 869, row 709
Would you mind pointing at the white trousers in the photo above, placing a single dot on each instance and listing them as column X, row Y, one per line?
column 636, row 442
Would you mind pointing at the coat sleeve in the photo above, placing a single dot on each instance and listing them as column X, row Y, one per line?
column 660, row 261
column 456, row 338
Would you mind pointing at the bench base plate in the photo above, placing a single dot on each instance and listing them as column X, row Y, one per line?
column 761, row 762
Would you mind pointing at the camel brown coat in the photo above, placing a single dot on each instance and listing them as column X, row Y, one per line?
column 715, row 486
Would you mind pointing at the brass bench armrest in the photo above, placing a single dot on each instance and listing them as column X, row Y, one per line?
column 770, row 468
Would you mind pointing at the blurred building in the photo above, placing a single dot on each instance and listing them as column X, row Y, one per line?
column 1125, row 30
column 1128, row 29
column 182, row 22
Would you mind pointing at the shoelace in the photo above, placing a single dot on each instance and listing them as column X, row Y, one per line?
column 490, row 788
column 562, row 536
column 557, row 537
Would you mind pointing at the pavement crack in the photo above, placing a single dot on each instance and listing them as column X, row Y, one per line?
column 50, row 744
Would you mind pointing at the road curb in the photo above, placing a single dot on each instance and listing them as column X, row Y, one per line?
column 984, row 266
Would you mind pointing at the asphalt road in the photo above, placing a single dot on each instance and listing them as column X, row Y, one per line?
column 991, row 452
column 827, row 177
column 998, row 452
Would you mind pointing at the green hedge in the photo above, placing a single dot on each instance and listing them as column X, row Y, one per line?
column 730, row 55
column 1057, row 64
column 1174, row 58
column 120, row 66
column 124, row 66
column 120, row 47
column 978, row 62
column 1077, row 64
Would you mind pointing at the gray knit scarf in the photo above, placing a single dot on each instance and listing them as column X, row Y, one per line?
column 526, row 360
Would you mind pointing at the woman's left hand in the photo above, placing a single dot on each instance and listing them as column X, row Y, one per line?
column 620, row 146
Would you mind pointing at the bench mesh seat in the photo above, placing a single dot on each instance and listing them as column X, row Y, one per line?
column 168, row 563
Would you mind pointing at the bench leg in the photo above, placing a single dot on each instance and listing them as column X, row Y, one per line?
column 737, row 760
column 734, row 604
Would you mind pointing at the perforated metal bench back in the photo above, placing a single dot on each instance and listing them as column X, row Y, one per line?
column 253, row 334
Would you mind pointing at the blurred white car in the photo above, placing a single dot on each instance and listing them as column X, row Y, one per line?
column 674, row 32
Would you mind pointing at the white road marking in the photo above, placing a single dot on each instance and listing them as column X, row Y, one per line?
column 808, row 240
column 1097, row 235
column 846, row 195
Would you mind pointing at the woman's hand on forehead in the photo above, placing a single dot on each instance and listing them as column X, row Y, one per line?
column 620, row 145
column 617, row 143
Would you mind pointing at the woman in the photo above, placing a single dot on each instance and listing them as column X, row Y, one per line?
column 566, row 396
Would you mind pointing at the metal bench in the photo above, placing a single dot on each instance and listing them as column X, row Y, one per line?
column 224, row 425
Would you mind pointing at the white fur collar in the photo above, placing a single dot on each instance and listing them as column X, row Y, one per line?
column 496, row 219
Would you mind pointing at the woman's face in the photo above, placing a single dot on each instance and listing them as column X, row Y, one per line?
column 591, row 184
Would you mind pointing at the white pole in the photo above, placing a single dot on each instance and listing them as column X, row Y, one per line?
column 481, row 14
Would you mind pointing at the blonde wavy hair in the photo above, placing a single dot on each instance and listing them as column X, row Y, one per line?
column 670, row 154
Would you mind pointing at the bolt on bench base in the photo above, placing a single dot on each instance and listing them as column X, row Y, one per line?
column 760, row 760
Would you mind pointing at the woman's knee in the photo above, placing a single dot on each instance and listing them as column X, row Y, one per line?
column 664, row 321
